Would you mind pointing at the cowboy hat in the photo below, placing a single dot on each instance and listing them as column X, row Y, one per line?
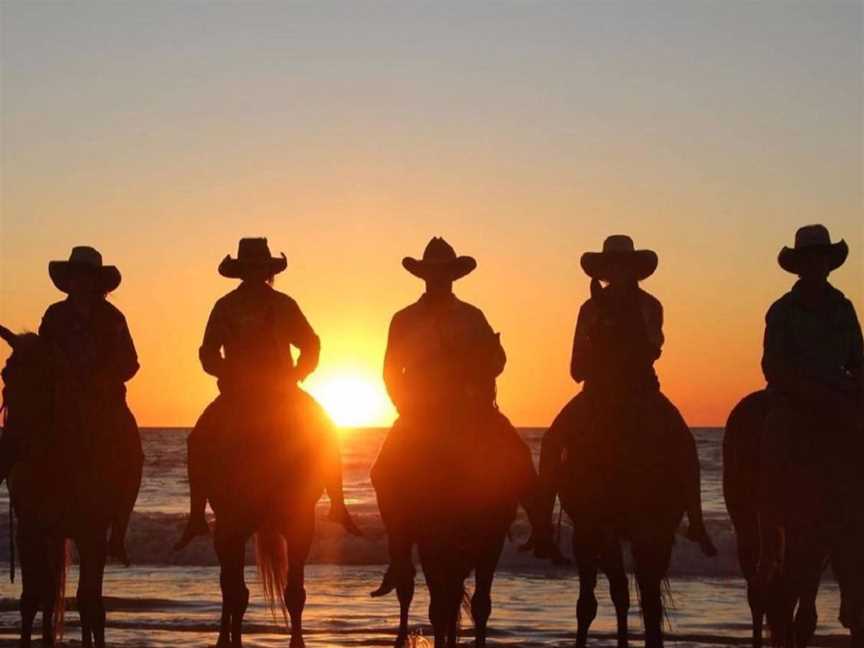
column 439, row 259
column 252, row 254
column 812, row 239
column 87, row 259
column 618, row 250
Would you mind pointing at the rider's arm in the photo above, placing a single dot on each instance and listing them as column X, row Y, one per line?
column 653, row 314
column 303, row 338
column 778, row 369
column 394, row 366
column 210, row 352
column 580, row 358
column 855, row 363
column 496, row 358
column 122, row 360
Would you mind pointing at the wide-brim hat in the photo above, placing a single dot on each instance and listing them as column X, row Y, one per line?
column 440, row 260
column 89, row 260
column 810, row 240
column 253, row 254
column 619, row 252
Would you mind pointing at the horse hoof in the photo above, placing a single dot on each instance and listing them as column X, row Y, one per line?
column 297, row 642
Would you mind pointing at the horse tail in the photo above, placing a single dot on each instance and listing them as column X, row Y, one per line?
column 271, row 554
column 464, row 607
column 667, row 601
column 60, row 593
column 11, row 544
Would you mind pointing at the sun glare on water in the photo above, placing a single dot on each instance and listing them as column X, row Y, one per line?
column 353, row 400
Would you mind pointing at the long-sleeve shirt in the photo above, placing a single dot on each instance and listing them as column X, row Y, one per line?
column 98, row 348
column 585, row 358
column 249, row 336
column 440, row 351
column 823, row 344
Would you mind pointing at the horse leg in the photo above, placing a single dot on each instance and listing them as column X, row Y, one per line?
column 299, row 541
column 455, row 596
column 755, row 599
column 806, row 617
column 438, row 608
column 652, row 558
column 52, row 591
column 92, row 550
column 91, row 595
column 481, row 601
column 585, row 551
column 405, row 594
column 295, row 601
column 612, row 564
column 230, row 550
column 32, row 581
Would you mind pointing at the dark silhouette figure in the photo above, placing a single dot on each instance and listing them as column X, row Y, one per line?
column 264, row 450
column 792, row 453
column 453, row 469
column 70, row 445
column 619, row 454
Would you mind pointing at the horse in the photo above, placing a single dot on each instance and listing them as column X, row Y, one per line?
column 266, row 485
column 824, row 528
column 619, row 484
column 58, row 489
column 459, row 519
column 628, row 469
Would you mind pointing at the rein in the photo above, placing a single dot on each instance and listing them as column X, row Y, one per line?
column 3, row 412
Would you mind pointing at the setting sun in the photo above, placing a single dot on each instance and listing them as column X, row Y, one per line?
column 352, row 399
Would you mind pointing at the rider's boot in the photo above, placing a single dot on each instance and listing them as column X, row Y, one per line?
column 117, row 539
column 338, row 511
column 696, row 531
column 401, row 567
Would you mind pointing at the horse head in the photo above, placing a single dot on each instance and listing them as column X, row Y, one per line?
column 28, row 382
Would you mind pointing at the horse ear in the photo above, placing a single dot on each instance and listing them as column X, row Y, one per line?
column 8, row 335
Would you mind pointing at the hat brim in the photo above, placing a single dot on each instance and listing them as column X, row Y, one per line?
column 641, row 263
column 240, row 268
column 452, row 269
column 790, row 259
column 107, row 277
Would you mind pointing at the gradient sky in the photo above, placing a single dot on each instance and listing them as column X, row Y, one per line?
column 349, row 133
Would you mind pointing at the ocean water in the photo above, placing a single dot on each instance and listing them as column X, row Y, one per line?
column 168, row 598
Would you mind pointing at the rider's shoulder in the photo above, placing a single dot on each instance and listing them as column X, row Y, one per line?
column 281, row 298
column 471, row 309
column 110, row 310
column 649, row 299
column 56, row 308
column 406, row 314
column 844, row 304
column 780, row 308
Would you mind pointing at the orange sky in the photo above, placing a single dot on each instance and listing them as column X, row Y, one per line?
column 162, row 134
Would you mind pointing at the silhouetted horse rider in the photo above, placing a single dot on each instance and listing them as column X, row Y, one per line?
column 812, row 361
column 440, row 367
column 619, row 335
column 96, row 349
column 247, row 346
